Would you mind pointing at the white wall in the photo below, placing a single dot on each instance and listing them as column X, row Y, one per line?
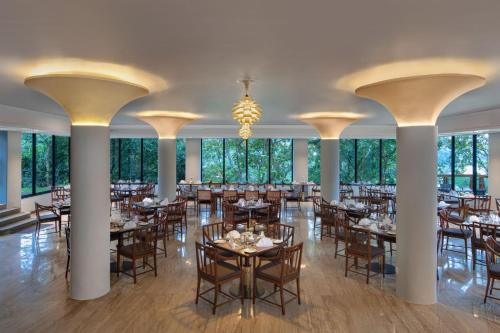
column 494, row 166
column 28, row 204
column 14, row 169
column 193, row 159
column 300, row 153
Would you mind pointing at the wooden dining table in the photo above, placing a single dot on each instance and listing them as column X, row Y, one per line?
column 247, row 266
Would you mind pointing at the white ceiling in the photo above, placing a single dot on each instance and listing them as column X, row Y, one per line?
column 295, row 49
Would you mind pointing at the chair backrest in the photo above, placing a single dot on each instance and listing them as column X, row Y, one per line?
column 283, row 231
column 492, row 252
column 497, row 202
column 147, row 235
column 480, row 231
column 273, row 196
column 215, row 185
column 359, row 237
column 206, row 260
column 213, row 231
column 328, row 213
column 57, row 193
column 204, row 195
column 251, row 195
column 41, row 208
column 291, row 259
column 174, row 212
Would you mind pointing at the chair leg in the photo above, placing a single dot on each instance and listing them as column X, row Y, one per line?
column 298, row 290
column 465, row 241
column 282, row 298
column 447, row 241
column 473, row 258
column 346, row 263
column 383, row 266
column 487, row 289
column 390, row 247
column 368, row 271
column 336, row 247
column 117, row 263
column 134, row 270
column 165, row 244
column 442, row 243
column 492, row 286
column 67, row 268
column 154, row 262
column 198, row 289
column 216, row 292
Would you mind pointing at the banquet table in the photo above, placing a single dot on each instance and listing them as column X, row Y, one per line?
column 248, row 265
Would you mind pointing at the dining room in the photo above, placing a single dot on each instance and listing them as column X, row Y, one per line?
column 274, row 166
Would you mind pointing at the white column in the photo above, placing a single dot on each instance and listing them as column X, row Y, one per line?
column 416, row 214
column 494, row 167
column 167, row 174
column 300, row 172
column 193, row 159
column 14, row 169
column 90, row 203
column 330, row 176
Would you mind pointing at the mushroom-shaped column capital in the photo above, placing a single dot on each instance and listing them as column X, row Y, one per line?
column 167, row 123
column 330, row 124
column 88, row 100
column 418, row 100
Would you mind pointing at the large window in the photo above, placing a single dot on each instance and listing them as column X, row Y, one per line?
column 61, row 153
column 347, row 161
column 258, row 155
column 27, row 163
column 463, row 162
column 482, row 145
column 137, row 159
column 181, row 159
column 314, row 160
column 281, row 160
column 45, row 162
column 368, row 159
column 212, row 160
column 388, row 161
column 444, row 161
column 150, row 160
column 235, row 160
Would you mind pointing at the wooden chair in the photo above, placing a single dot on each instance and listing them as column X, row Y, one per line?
column 283, row 269
column 497, row 202
column 492, row 266
column 174, row 217
column 273, row 196
column 269, row 215
column 230, row 217
column 358, row 246
column 214, row 231
column 209, row 268
column 251, row 195
column 341, row 223
column 316, row 210
column 230, row 195
column 454, row 228
column 162, row 232
column 294, row 195
column 328, row 215
column 46, row 214
column 144, row 244
column 57, row 193
column 480, row 231
column 67, row 232
column 479, row 205
column 204, row 197
column 282, row 231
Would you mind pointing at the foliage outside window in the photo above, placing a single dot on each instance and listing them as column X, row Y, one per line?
column 281, row 160
column 368, row 161
column 27, row 163
column 346, row 163
column 150, row 160
column 444, row 160
column 62, row 160
column 180, row 160
column 463, row 162
column 130, row 159
column 388, row 161
column 212, row 160
column 482, row 152
column 235, row 161
column 258, row 155
column 314, row 160
column 114, row 159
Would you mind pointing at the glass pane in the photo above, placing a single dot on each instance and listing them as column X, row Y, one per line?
column 26, row 163
column 482, row 162
column 235, row 161
column 258, row 161
column 463, row 162
column 368, row 161
column 150, row 160
column 181, row 159
column 62, row 160
column 211, row 162
column 131, row 159
column 113, row 164
column 43, row 162
column 281, row 161
column 444, row 161
column 314, row 160
column 389, row 161
column 346, row 164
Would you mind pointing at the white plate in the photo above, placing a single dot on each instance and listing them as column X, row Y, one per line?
column 219, row 241
column 391, row 232
column 142, row 224
column 277, row 241
column 249, row 250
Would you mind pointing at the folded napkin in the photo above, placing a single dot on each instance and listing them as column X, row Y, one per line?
column 365, row 222
column 473, row 218
column 233, row 234
column 373, row 227
column 342, row 205
column 164, row 201
column 442, row 204
column 359, row 205
column 241, row 202
column 147, row 201
column 333, row 202
column 264, row 242
column 469, row 195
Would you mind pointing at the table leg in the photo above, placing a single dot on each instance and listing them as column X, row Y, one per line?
column 247, row 280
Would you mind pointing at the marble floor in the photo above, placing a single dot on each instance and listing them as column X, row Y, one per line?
column 34, row 294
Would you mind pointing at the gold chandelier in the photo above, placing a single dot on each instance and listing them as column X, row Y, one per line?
column 245, row 131
column 246, row 111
